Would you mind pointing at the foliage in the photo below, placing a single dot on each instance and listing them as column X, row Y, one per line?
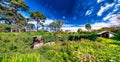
column 19, row 4
column 37, row 16
column 11, row 15
column 83, row 50
column 82, row 35
column 33, row 57
column 59, row 24
column 117, row 36
column 88, row 27
column 53, row 26
column 79, row 30
column 56, row 25
column 16, row 47
column 4, row 28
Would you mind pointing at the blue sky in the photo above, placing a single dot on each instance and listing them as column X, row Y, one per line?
column 77, row 13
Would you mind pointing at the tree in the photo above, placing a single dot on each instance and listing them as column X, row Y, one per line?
column 88, row 27
column 42, row 25
column 59, row 24
column 117, row 36
column 30, row 27
column 9, row 16
column 53, row 26
column 39, row 17
column 56, row 25
column 4, row 27
column 10, row 11
column 79, row 30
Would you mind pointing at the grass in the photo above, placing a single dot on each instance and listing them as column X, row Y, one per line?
column 15, row 47
column 83, row 50
column 22, row 58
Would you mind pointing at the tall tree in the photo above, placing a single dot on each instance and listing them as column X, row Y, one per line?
column 38, row 17
column 88, row 27
column 53, row 26
column 59, row 24
column 12, row 8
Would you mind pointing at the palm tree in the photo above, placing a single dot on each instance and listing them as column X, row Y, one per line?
column 88, row 27
column 39, row 17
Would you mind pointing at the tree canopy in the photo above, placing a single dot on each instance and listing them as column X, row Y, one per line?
column 88, row 27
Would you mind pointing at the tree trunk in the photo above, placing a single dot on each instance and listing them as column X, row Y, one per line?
column 19, row 30
column 11, row 28
column 37, row 26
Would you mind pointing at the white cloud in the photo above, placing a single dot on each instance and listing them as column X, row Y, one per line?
column 72, row 29
column 99, row 25
column 48, row 21
column 98, row 1
column 110, row 15
column 94, row 26
column 67, row 25
column 104, row 8
column 115, row 21
column 88, row 12
column 32, row 22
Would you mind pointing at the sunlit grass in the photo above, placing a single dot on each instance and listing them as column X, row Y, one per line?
column 33, row 57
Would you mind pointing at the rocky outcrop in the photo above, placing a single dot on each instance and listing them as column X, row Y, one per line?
column 60, row 38
column 38, row 41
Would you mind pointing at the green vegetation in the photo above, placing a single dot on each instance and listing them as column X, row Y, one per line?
column 83, row 50
column 117, row 36
column 77, row 46
column 88, row 27
column 56, row 26
column 4, row 28
column 36, row 15
column 22, row 58
column 16, row 47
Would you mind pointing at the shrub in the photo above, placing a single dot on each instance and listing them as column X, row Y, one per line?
column 117, row 36
column 4, row 28
column 82, row 36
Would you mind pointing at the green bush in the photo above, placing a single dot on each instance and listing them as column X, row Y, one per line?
column 82, row 36
column 50, row 38
column 117, row 36
column 4, row 28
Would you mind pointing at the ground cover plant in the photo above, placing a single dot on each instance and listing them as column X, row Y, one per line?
column 16, row 47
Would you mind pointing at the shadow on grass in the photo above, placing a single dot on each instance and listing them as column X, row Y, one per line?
column 116, row 43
